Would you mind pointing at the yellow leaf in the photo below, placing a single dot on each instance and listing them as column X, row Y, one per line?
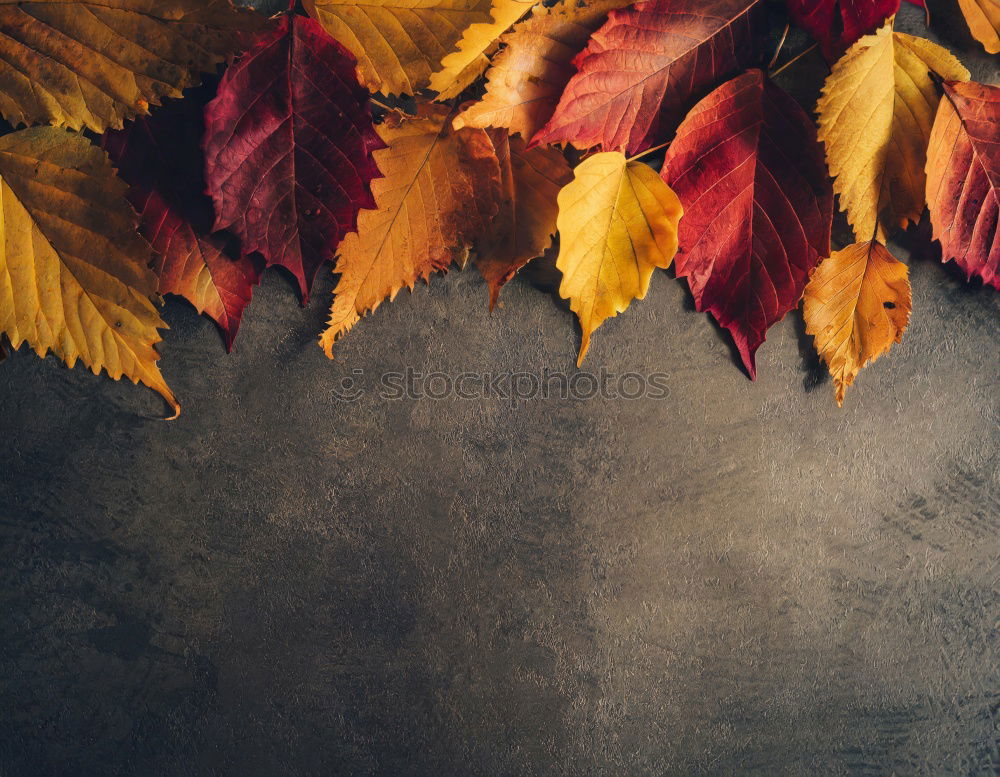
column 524, row 226
column 983, row 18
column 857, row 304
column 74, row 273
column 875, row 118
column 527, row 77
column 94, row 63
column 617, row 223
column 462, row 67
column 398, row 43
column 439, row 191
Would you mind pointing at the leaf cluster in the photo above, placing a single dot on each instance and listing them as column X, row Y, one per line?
column 398, row 139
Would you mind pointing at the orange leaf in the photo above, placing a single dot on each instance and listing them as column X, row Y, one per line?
column 857, row 304
column 440, row 190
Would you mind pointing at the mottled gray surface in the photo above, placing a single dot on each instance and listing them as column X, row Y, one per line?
column 737, row 579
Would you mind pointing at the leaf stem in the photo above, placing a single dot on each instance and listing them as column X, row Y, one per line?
column 777, row 51
column 641, row 154
column 379, row 103
column 793, row 60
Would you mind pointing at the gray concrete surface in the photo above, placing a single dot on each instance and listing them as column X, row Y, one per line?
column 738, row 578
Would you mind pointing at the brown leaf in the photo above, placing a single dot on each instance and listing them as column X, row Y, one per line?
column 523, row 228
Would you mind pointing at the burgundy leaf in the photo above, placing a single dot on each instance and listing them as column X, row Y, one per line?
column 288, row 145
column 836, row 24
column 758, row 206
column 646, row 64
column 159, row 156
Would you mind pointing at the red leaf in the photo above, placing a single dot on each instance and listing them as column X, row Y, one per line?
column 758, row 206
column 159, row 156
column 644, row 66
column 836, row 24
column 288, row 144
column 963, row 178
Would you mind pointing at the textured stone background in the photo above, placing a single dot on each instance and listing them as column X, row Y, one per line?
column 737, row 579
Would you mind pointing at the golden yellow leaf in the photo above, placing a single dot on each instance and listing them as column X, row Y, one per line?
column 527, row 77
column 479, row 41
column 398, row 43
column 857, row 304
column 524, row 226
column 617, row 223
column 875, row 118
column 74, row 273
column 983, row 18
column 94, row 63
column 440, row 190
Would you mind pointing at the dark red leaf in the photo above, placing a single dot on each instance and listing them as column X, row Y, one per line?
column 159, row 156
column 758, row 206
column 288, row 145
column 836, row 24
column 646, row 64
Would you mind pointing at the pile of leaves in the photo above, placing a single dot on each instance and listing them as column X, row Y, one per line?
column 401, row 137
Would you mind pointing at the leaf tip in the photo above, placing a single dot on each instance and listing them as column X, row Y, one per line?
column 584, row 347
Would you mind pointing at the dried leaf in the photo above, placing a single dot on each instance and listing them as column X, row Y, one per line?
column 837, row 24
column 758, row 207
column 398, row 43
column 93, row 63
column 440, row 190
column 857, row 304
column 288, row 144
column 529, row 74
column 617, row 223
column 875, row 117
column 646, row 64
column 159, row 157
column 74, row 273
column 963, row 178
column 523, row 228
column 983, row 18
column 479, row 41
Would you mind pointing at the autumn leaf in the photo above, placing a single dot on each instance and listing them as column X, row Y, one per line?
column 983, row 18
column 963, row 178
column 94, row 63
column 159, row 157
column 758, row 206
column 837, row 24
column 528, row 76
column 646, row 64
column 440, row 190
column 74, row 273
column 875, row 118
column 479, row 41
column 288, row 144
column 857, row 304
column 617, row 223
column 522, row 230
column 399, row 44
